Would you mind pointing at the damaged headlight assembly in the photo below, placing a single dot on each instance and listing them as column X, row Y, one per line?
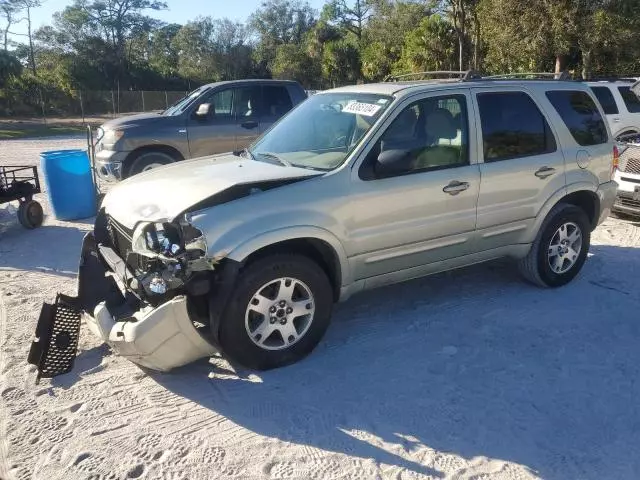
column 174, row 253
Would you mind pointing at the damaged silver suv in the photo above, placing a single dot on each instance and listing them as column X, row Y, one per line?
column 355, row 188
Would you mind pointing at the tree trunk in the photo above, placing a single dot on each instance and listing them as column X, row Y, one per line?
column 460, row 51
column 586, row 64
column 32, row 57
column 561, row 63
column 476, row 43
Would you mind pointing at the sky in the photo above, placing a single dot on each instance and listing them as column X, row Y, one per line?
column 179, row 11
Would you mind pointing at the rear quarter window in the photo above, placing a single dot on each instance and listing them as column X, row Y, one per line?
column 630, row 100
column 581, row 116
column 605, row 97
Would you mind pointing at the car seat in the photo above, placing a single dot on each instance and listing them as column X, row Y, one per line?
column 440, row 129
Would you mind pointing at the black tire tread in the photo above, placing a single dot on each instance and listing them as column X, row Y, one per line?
column 528, row 266
column 251, row 274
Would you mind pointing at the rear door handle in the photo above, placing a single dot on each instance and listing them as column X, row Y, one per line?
column 545, row 172
column 455, row 187
column 250, row 125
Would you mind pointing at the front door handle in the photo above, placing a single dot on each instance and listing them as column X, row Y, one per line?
column 545, row 172
column 249, row 125
column 455, row 187
column 616, row 120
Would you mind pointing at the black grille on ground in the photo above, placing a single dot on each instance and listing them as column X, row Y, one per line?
column 56, row 344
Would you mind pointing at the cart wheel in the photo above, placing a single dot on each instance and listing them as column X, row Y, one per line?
column 30, row 214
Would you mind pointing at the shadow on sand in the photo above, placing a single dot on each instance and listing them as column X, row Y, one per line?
column 472, row 362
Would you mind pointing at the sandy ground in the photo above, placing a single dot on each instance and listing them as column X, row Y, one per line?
column 471, row 374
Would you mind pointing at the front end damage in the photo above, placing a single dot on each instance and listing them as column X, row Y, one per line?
column 146, row 293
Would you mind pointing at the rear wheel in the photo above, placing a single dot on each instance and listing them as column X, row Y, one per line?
column 30, row 214
column 278, row 312
column 560, row 249
column 149, row 161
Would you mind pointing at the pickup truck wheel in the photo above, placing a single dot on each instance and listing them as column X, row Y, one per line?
column 278, row 312
column 148, row 161
column 560, row 249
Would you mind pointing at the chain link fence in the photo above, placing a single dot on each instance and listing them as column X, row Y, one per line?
column 82, row 105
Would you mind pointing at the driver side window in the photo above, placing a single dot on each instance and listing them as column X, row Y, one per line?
column 430, row 134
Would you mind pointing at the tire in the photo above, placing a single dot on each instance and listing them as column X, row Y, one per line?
column 147, row 161
column 537, row 268
column 30, row 214
column 241, row 320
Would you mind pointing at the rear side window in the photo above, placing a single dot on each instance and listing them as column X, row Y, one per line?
column 276, row 100
column 630, row 100
column 513, row 126
column 605, row 97
column 581, row 116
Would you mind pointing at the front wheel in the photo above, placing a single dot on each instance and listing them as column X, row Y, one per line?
column 560, row 249
column 278, row 312
column 148, row 161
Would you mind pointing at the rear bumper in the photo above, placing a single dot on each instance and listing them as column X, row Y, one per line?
column 625, row 203
column 160, row 338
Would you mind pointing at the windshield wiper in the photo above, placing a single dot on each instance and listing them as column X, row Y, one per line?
column 245, row 153
column 273, row 156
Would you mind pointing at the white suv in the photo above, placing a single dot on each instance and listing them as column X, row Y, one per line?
column 622, row 109
column 621, row 106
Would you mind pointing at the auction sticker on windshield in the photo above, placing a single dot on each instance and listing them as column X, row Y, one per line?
column 366, row 109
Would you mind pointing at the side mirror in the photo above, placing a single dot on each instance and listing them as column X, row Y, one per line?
column 392, row 162
column 203, row 110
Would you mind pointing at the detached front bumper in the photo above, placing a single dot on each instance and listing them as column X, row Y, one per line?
column 160, row 338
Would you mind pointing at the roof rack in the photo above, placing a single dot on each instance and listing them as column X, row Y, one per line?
column 629, row 79
column 530, row 76
column 461, row 75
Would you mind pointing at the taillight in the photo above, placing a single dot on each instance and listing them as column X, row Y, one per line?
column 615, row 161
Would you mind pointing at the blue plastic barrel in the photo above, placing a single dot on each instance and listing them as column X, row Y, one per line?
column 69, row 182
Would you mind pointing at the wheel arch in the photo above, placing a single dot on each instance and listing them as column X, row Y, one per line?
column 581, row 194
column 317, row 244
column 160, row 148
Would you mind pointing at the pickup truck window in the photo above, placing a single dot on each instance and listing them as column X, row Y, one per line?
column 182, row 104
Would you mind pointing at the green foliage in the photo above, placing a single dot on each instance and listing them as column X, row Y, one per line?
column 293, row 62
column 341, row 62
column 9, row 67
column 117, row 45
column 431, row 46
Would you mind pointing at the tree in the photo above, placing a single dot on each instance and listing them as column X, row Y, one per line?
column 294, row 63
column 210, row 50
column 559, row 34
column 461, row 13
column 280, row 22
column 431, row 46
column 351, row 16
column 8, row 11
column 341, row 63
column 9, row 67
column 385, row 35
column 112, row 22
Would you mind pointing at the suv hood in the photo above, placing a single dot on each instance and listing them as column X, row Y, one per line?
column 164, row 193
